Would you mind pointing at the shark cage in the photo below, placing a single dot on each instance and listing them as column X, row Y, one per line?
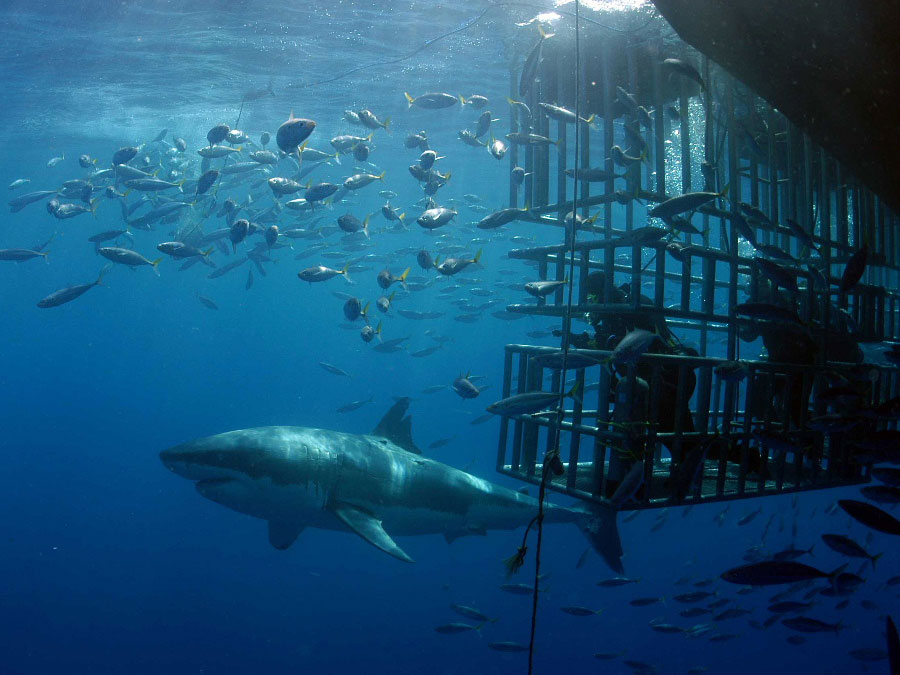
column 771, row 290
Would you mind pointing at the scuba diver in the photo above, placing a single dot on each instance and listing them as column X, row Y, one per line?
column 632, row 400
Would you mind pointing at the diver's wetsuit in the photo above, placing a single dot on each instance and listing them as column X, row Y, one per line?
column 610, row 329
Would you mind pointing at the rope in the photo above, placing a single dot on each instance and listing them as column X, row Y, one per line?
column 552, row 455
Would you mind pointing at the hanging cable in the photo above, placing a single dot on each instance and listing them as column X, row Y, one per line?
column 552, row 456
column 465, row 26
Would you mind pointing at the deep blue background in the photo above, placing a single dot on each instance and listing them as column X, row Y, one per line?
column 110, row 564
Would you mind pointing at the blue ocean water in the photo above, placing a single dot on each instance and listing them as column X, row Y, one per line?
column 112, row 564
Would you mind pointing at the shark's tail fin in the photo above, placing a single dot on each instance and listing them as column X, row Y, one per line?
column 598, row 524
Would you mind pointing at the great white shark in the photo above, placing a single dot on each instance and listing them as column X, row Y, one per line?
column 376, row 485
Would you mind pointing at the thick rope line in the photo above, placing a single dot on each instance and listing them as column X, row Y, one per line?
column 553, row 455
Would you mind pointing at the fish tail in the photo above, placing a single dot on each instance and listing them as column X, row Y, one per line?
column 875, row 558
column 300, row 149
column 346, row 275
column 478, row 255
column 724, row 193
column 834, row 574
column 378, row 331
column 365, row 226
column 574, row 392
column 402, row 278
column 103, row 272
column 155, row 264
column 381, row 175
column 386, row 124
column 409, row 99
column 206, row 253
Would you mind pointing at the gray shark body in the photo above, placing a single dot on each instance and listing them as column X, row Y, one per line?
column 376, row 486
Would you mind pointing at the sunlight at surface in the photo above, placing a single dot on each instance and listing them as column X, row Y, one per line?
column 607, row 5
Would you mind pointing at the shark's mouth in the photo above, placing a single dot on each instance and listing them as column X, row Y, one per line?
column 214, row 488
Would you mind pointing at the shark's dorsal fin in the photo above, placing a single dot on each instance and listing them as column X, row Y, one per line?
column 397, row 428
column 369, row 528
column 283, row 533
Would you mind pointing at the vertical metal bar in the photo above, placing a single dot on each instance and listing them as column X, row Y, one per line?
column 583, row 271
column 575, row 443
column 704, row 388
column 599, row 469
column 650, row 447
column 522, row 384
column 542, row 124
column 735, row 182
column 660, row 135
column 681, row 409
column 684, row 105
column 530, row 435
column 542, row 275
column 800, row 210
column 562, row 148
column 659, row 290
column 513, row 153
column 686, row 280
column 608, row 88
column 504, row 421
column 585, row 138
column 773, row 158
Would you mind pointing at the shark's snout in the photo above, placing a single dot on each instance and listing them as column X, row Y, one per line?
column 191, row 460
column 168, row 457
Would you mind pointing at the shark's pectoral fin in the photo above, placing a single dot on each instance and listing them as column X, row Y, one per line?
column 369, row 528
column 283, row 533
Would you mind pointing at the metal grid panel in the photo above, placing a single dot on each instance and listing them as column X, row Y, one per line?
column 756, row 451
column 765, row 162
